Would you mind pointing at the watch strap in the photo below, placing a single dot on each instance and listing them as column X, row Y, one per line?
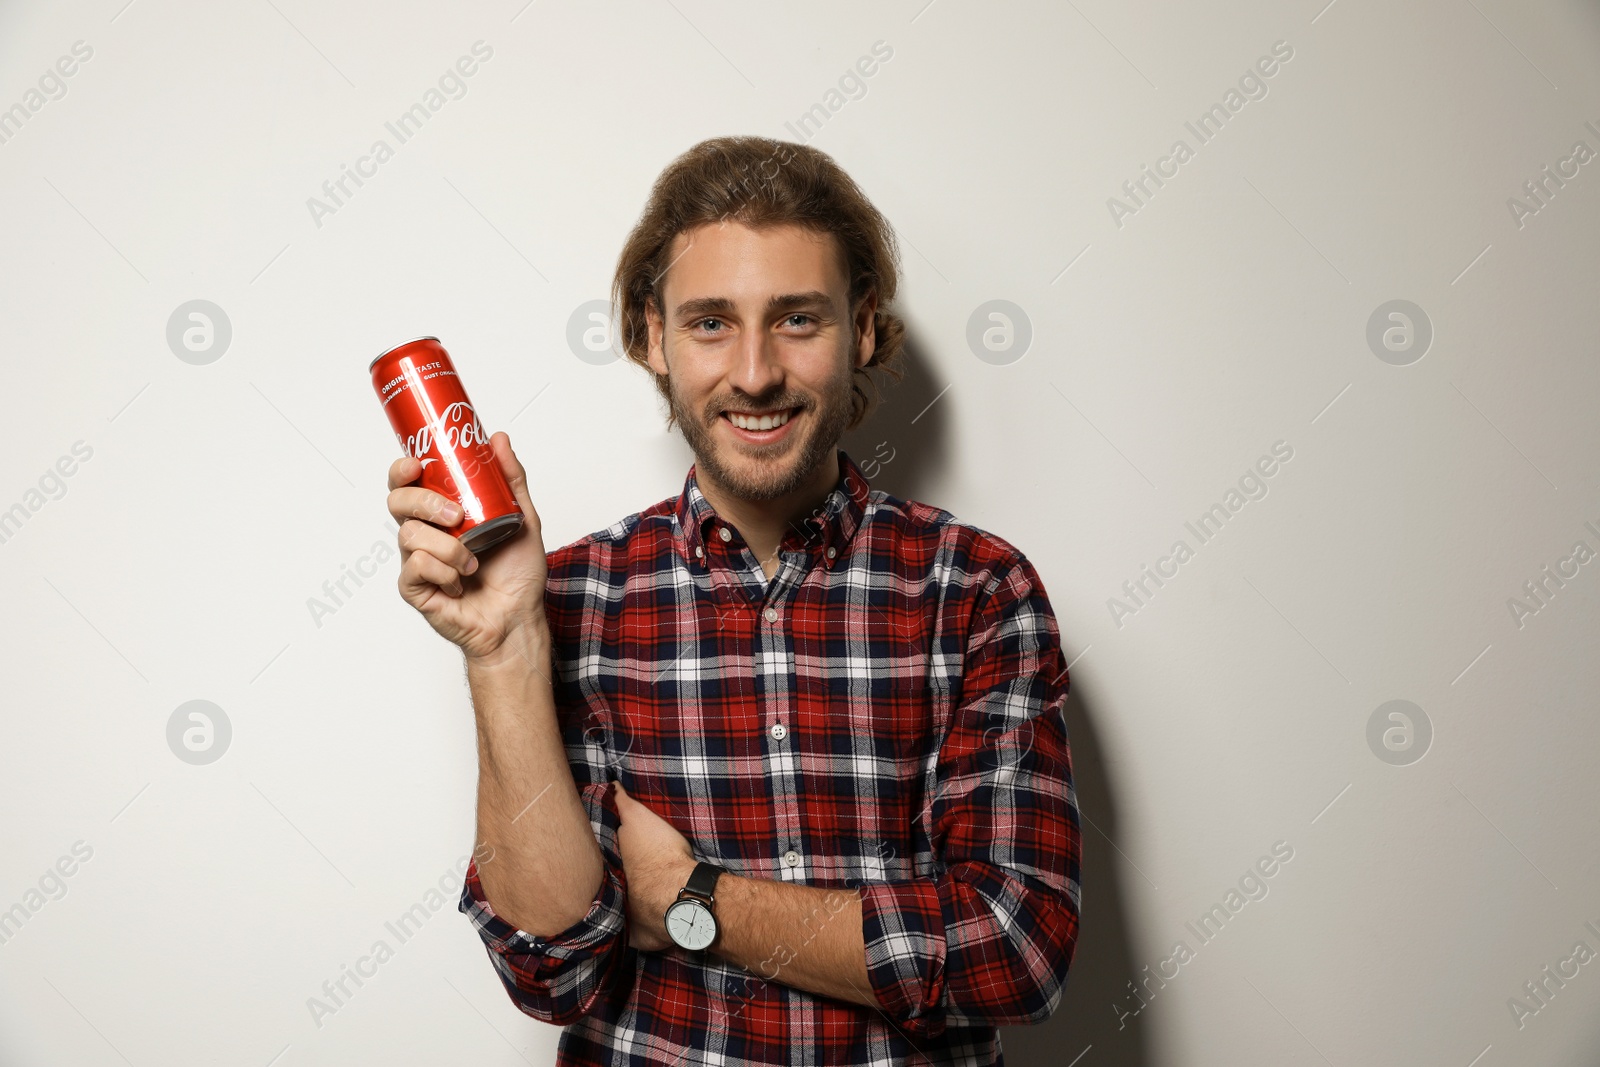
column 704, row 879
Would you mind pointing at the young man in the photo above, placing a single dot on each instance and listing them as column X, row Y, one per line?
column 773, row 771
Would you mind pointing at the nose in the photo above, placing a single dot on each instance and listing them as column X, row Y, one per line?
column 758, row 369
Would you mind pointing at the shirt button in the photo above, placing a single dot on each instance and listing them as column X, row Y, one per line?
column 832, row 552
column 725, row 534
column 791, row 858
column 699, row 551
column 771, row 614
column 779, row 731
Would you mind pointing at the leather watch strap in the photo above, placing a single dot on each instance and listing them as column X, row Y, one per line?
column 704, row 879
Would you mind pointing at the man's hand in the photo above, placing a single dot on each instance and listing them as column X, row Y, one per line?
column 486, row 609
column 658, row 861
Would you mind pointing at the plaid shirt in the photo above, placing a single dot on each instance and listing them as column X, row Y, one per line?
column 883, row 715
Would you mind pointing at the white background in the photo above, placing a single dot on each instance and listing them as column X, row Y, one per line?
column 1168, row 353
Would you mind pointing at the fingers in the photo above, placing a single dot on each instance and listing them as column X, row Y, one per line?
column 423, row 572
column 415, row 502
column 407, row 500
column 419, row 537
column 404, row 471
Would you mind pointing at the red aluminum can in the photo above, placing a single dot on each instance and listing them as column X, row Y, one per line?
column 435, row 423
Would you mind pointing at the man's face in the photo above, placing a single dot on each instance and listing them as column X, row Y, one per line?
column 755, row 325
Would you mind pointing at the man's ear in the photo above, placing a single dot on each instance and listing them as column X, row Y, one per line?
column 866, row 328
column 652, row 316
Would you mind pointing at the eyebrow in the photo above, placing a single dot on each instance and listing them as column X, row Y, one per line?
column 721, row 305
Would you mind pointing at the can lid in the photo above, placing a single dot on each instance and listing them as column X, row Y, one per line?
column 391, row 348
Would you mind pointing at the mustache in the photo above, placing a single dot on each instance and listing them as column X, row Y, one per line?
column 779, row 403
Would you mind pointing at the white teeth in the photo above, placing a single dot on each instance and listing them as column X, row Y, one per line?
column 765, row 422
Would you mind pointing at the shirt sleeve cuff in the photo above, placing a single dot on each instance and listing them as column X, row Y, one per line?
column 903, row 927
column 586, row 937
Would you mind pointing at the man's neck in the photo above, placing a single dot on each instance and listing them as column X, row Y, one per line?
column 763, row 523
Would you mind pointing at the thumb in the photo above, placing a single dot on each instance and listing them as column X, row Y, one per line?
column 516, row 475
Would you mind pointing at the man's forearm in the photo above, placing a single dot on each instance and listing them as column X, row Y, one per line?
column 798, row 935
column 545, row 866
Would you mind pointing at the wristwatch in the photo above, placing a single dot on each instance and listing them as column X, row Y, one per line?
column 690, row 921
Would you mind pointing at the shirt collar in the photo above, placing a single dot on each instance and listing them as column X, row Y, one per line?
column 829, row 528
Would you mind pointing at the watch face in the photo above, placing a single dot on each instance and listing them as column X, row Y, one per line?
column 691, row 924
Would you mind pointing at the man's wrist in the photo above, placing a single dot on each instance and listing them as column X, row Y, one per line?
column 525, row 649
column 674, row 882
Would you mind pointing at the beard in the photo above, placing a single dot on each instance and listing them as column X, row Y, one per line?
column 767, row 472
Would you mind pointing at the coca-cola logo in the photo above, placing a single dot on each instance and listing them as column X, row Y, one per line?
column 457, row 427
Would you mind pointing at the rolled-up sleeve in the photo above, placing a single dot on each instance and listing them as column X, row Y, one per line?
column 987, row 939
column 559, row 978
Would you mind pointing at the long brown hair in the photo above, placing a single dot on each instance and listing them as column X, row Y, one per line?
column 762, row 182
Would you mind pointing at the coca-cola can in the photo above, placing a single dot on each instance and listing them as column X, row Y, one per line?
column 436, row 424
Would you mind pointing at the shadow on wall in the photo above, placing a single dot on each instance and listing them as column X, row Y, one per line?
column 1095, row 1009
column 902, row 448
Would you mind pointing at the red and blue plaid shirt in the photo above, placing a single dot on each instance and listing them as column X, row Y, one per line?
column 884, row 714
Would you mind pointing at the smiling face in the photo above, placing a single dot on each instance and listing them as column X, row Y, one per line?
column 759, row 344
